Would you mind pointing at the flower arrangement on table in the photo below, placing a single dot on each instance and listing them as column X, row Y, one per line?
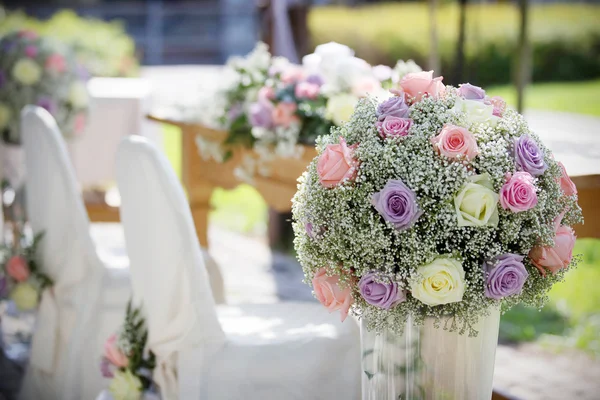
column 126, row 361
column 437, row 202
column 274, row 106
column 36, row 70
column 21, row 278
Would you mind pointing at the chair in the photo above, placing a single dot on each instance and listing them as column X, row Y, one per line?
column 275, row 351
column 87, row 301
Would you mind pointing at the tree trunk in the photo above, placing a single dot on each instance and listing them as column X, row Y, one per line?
column 523, row 74
column 434, row 55
column 459, row 61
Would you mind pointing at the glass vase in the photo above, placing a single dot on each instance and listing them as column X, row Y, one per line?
column 429, row 363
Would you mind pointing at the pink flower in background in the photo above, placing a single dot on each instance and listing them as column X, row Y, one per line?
column 306, row 90
column 56, row 63
column 393, row 126
column 292, row 74
column 456, row 142
column 113, row 354
column 48, row 103
column 266, row 93
column 107, row 368
column 566, row 184
column 330, row 294
column 499, row 105
column 557, row 257
column 418, row 84
column 519, row 192
column 336, row 164
column 365, row 86
column 284, row 114
column 16, row 268
column 26, row 33
column 79, row 123
column 31, row 51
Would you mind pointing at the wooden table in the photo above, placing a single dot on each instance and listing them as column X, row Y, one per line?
column 201, row 176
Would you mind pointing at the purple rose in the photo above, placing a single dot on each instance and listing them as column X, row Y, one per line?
column 235, row 111
column 397, row 204
column 504, row 276
column 393, row 126
column 47, row 103
column 107, row 368
column 315, row 79
column 260, row 114
column 394, row 106
column 528, row 156
column 471, row 92
column 380, row 291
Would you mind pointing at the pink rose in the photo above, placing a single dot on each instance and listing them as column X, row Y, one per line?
column 266, row 93
column 307, row 90
column 456, row 142
column 498, row 103
column 330, row 294
column 292, row 74
column 519, row 192
column 31, row 51
column 113, row 354
column 418, row 84
column 79, row 123
column 284, row 114
column 557, row 257
column 336, row 164
column 55, row 62
column 566, row 184
column 393, row 126
column 366, row 85
column 16, row 268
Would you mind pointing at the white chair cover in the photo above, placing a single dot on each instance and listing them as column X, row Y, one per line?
column 167, row 269
column 66, row 345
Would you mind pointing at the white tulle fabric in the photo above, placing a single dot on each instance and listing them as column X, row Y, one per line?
column 281, row 351
column 73, row 320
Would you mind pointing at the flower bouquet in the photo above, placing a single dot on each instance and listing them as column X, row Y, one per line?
column 126, row 361
column 275, row 107
column 21, row 278
column 423, row 216
column 35, row 70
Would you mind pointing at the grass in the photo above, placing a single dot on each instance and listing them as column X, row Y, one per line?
column 575, row 97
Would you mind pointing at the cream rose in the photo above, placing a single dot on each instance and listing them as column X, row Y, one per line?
column 78, row 95
column 27, row 71
column 476, row 203
column 25, row 296
column 341, row 107
column 477, row 112
column 125, row 386
column 5, row 115
column 441, row 282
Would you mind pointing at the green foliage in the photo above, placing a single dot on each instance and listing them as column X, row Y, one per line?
column 132, row 339
column 104, row 48
column 565, row 37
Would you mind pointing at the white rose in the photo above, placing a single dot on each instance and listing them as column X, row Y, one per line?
column 259, row 58
column 477, row 112
column 333, row 50
column 311, row 63
column 441, row 282
column 125, row 386
column 5, row 115
column 27, row 71
column 349, row 71
column 341, row 107
column 382, row 72
column 25, row 296
column 78, row 95
column 476, row 204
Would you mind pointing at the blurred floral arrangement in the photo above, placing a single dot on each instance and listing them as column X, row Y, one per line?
column 21, row 278
column 274, row 106
column 437, row 202
column 105, row 49
column 125, row 359
column 37, row 70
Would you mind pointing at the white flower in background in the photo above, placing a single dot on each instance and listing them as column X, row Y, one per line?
column 405, row 67
column 251, row 96
column 78, row 94
column 340, row 107
column 326, row 59
column 441, row 282
column 245, row 170
column 312, row 63
column 259, row 58
column 477, row 112
column 25, row 296
column 209, row 149
column 348, row 71
column 125, row 386
column 332, row 51
column 366, row 85
column 279, row 64
column 27, row 71
column 263, row 134
column 5, row 115
column 382, row 72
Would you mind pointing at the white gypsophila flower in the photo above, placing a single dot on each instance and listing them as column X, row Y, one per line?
column 403, row 68
column 209, row 149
